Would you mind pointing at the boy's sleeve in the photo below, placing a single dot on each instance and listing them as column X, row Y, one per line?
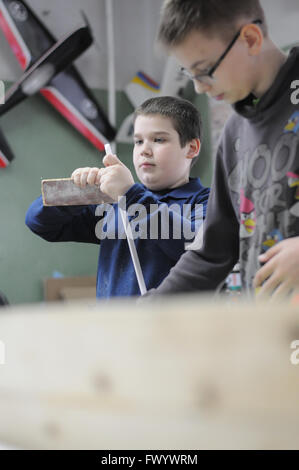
column 173, row 242
column 61, row 224
column 205, row 269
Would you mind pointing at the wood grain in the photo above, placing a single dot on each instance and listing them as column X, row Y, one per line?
column 64, row 192
column 178, row 373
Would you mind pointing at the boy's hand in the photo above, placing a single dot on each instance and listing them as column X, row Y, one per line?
column 116, row 179
column 280, row 275
column 83, row 176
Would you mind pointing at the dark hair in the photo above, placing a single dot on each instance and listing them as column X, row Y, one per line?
column 185, row 117
column 212, row 17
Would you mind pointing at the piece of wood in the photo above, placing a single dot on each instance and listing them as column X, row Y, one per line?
column 64, row 192
column 74, row 293
column 176, row 373
column 53, row 287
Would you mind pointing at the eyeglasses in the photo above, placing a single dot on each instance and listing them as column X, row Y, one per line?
column 208, row 77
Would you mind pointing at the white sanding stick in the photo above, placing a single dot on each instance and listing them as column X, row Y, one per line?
column 130, row 240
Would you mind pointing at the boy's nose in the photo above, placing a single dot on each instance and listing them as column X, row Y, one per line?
column 201, row 87
column 146, row 150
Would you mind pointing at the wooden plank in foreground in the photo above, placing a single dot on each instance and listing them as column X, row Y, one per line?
column 178, row 373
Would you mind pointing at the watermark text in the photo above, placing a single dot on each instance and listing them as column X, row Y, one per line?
column 294, row 358
column 152, row 222
column 295, row 94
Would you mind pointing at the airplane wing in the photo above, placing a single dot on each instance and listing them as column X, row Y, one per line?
column 27, row 36
column 54, row 60
column 67, row 92
column 6, row 155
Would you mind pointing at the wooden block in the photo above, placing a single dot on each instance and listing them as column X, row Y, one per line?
column 73, row 293
column 64, row 192
column 53, row 287
column 176, row 373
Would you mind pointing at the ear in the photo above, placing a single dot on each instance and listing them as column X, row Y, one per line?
column 194, row 148
column 254, row 38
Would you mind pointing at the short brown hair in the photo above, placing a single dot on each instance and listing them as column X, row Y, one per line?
column 185, row 117
column 213, row 17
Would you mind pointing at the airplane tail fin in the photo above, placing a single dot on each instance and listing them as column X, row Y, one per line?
column 141, row 88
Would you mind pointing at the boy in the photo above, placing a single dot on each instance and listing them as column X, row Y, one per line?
column 253, row 215
column 167, row 141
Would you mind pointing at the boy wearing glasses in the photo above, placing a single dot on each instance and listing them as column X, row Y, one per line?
column 253, row 211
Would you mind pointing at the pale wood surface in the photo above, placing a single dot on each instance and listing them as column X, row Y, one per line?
column 182, row 373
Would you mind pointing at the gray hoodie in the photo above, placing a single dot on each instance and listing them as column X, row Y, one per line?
column 254, row 200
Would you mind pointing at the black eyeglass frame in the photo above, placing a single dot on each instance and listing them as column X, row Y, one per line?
column 210, row 73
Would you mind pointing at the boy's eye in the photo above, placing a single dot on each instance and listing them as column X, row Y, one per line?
column 159, row 139
column 138, row 142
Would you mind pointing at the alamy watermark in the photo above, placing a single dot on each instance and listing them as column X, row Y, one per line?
column 294, row 358
column 295, row 94
column 2, row 353
column 151, row 222
column 2, row 92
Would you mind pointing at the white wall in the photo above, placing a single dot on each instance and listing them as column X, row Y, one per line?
column 135, row 27
column 283, row 20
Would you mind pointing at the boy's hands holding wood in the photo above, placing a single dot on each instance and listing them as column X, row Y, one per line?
column 114, row 180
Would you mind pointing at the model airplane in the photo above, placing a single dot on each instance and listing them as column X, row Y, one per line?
column 48, row 69
column 53, row 61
